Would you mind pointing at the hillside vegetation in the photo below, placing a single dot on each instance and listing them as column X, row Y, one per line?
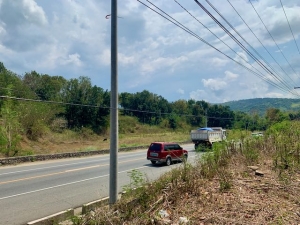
column 42, row 114
column 38, row 111
column 132, row 134
column 261, row 105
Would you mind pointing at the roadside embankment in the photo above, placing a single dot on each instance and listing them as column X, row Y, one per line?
column 34, row 158
column 45, row 157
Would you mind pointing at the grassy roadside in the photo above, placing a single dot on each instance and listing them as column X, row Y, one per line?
column 254, row 182
column 70, row 141
column 132, row 133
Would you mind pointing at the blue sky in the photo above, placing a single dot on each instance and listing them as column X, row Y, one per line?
column 71, row 38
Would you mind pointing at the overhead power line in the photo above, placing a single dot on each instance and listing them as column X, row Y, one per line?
column 104, row 107
column 258, row 39
column 272, row 37
column 289, row 26
column 219, row 38
column 277, row 77
column 178, row 24
column 53, row 102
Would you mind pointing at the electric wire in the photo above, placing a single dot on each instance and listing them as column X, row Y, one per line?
column 103, row 107
column 218, row 38
column 53, row 102
column 225, row 43
column 257, row 38
column 289, row 26
column 201, row 39
column 272, row 37
column 93, row 106
column 240, row 44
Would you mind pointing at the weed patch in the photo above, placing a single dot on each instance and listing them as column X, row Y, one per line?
column 219, row 188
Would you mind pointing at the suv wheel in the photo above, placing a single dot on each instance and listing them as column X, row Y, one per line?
column 185, row 158
column 168, row 161
column 153, row 162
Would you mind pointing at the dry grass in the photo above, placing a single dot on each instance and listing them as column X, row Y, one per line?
column 70, row 141
column 220, row 189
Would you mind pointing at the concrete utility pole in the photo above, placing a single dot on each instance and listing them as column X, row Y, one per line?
column 114, row 135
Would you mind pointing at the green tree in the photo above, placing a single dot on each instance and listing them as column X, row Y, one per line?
column 173, row 121
column 44, row 86
column 147, row 107
column 35, row 117
column 90, row 104
column 11, row 82
column 10, row 128
column 220, row 116
column 274, row 115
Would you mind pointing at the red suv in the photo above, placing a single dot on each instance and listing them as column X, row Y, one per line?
column 166, row 152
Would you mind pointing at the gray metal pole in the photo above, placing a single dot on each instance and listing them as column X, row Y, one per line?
column 113, row 172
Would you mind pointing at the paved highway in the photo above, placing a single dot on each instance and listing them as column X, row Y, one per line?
column 31, row 191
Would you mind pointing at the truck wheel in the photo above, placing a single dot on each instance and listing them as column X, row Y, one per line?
column 201, row 147
column 153, row 162
column 168, row 161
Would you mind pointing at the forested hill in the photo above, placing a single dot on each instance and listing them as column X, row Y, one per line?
column 260, row 105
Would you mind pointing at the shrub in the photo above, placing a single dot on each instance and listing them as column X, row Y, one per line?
column 59, row 124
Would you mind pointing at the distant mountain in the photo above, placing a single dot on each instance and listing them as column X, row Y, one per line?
column 260, row 105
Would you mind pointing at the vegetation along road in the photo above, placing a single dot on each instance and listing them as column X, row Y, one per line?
column 32, row 191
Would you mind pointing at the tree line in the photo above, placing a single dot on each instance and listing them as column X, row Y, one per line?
column 34, row 102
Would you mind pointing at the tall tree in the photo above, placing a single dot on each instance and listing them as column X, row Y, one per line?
column 220, row 116
column 147, row 107
column 8, row 78
column 10, row 127
column 274, row 115
column 44, row 86
column 89, row 105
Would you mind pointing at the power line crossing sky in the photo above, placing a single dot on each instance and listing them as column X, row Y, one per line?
column 257, row 45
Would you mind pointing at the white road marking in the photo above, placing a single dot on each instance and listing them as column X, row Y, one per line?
column 61, row 185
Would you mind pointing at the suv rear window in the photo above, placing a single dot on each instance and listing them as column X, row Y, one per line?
column 169, row 147
column 155, row 147
column 172, row 147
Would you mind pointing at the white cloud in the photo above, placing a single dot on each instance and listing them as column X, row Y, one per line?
column 214, row 84
column 126, row 60
column 198, row 94
column 161, row 63
column 72, row 39
column 180, row 91
column 218, row 62
column 275, row 95
column 230, row 76
column 21, row 13
column 104, row 57
column 73, row 59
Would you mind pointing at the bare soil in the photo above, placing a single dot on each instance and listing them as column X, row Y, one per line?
column 257, row 194
column 262, row 198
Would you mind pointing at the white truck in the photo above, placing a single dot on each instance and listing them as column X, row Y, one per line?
column 206, row 136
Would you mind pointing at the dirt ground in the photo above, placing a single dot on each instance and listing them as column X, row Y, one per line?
column 252, row 198
column 257, row 195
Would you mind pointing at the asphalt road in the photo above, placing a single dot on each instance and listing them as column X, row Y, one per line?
column 34, row 190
